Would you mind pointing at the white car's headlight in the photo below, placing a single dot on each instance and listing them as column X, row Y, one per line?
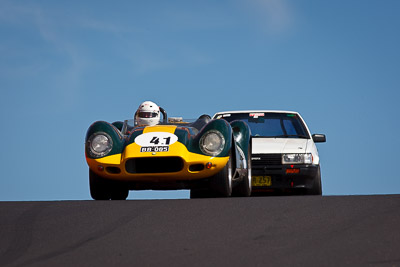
column 297, row 158
column 100, row 144
column 212, row 143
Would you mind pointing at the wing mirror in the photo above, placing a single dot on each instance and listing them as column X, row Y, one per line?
column 319, row 138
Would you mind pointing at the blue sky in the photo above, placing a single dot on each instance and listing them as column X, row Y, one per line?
column 64, row 65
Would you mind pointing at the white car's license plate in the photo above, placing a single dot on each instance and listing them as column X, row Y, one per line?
column 261, row 181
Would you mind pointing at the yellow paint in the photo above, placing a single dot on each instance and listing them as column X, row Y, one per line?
column 177, row 149
column 113, row 159
column 158, row 128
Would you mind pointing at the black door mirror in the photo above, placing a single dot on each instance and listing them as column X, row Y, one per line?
column 319, row 138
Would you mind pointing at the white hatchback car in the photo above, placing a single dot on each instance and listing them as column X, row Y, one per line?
column 284, row 155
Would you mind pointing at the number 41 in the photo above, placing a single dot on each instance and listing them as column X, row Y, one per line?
column 155, row 140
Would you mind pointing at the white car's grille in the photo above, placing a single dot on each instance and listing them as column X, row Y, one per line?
column 266, row 159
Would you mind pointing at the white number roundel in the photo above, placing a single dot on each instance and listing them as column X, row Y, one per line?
column 156, row 139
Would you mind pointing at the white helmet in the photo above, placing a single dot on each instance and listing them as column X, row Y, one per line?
column 147, row 114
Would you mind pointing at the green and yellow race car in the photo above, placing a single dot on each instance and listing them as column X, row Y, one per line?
column 212, row 158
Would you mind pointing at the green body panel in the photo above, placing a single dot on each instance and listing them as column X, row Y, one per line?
column 118, row 124
column 242, row 134
column 185, row 136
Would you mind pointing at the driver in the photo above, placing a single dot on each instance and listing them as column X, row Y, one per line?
column 147, row 114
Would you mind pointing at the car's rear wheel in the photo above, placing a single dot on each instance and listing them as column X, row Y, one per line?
column 99, row 187
column 316, row 189
column 221, row 183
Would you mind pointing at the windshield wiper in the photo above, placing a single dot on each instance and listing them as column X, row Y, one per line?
column 270, row 136
column 296, row 135
column 282, row 136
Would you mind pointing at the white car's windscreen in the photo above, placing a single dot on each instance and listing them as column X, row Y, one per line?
column 279, row 125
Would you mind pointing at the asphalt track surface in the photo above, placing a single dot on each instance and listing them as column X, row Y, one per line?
column 255, row 231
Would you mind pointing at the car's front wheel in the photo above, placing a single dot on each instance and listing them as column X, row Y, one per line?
column 200, row 193
column 221, row 183
column 99, row 187
column 119, row 192
column 102, row 189
column 243, row 189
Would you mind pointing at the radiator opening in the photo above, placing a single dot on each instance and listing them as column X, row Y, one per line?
column 154, row 165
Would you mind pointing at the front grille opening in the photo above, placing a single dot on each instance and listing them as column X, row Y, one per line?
column 196, row 167
column 154, row 165
column 266, row 159
column 113, row 170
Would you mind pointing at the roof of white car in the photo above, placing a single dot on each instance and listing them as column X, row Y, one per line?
column 257, row 111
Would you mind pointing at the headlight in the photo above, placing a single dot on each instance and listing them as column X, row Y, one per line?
column 212, row 143
column 297, row 158
column 100, row 144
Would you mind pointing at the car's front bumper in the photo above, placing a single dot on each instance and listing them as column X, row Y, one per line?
column 286, row 177
column 178, row 164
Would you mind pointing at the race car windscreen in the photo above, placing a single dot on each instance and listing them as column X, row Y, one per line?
column 279, row 125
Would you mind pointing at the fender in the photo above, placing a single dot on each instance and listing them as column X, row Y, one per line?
column 112, row 131
column 242, row 135
column 220, row 125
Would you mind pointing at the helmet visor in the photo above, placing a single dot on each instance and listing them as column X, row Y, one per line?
column 143, row 114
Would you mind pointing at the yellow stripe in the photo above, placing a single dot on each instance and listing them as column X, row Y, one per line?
column 163, row 128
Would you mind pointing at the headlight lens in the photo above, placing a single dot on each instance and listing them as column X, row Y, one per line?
column 212, row 143
column 297, row 158
column 100, row 144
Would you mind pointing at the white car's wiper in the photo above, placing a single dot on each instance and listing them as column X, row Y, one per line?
column 296, row 135
column 282, row 136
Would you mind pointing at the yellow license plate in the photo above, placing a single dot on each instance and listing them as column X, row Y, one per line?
column 261, row 181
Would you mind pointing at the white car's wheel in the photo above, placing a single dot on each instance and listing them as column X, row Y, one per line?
column 316, row 189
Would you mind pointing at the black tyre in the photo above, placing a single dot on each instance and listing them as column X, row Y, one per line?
column 201, row 193
column 119, row 192
column 221, row 183
column 243, row 189
column 316, row 189
column 99, row 187
column 195, row 193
